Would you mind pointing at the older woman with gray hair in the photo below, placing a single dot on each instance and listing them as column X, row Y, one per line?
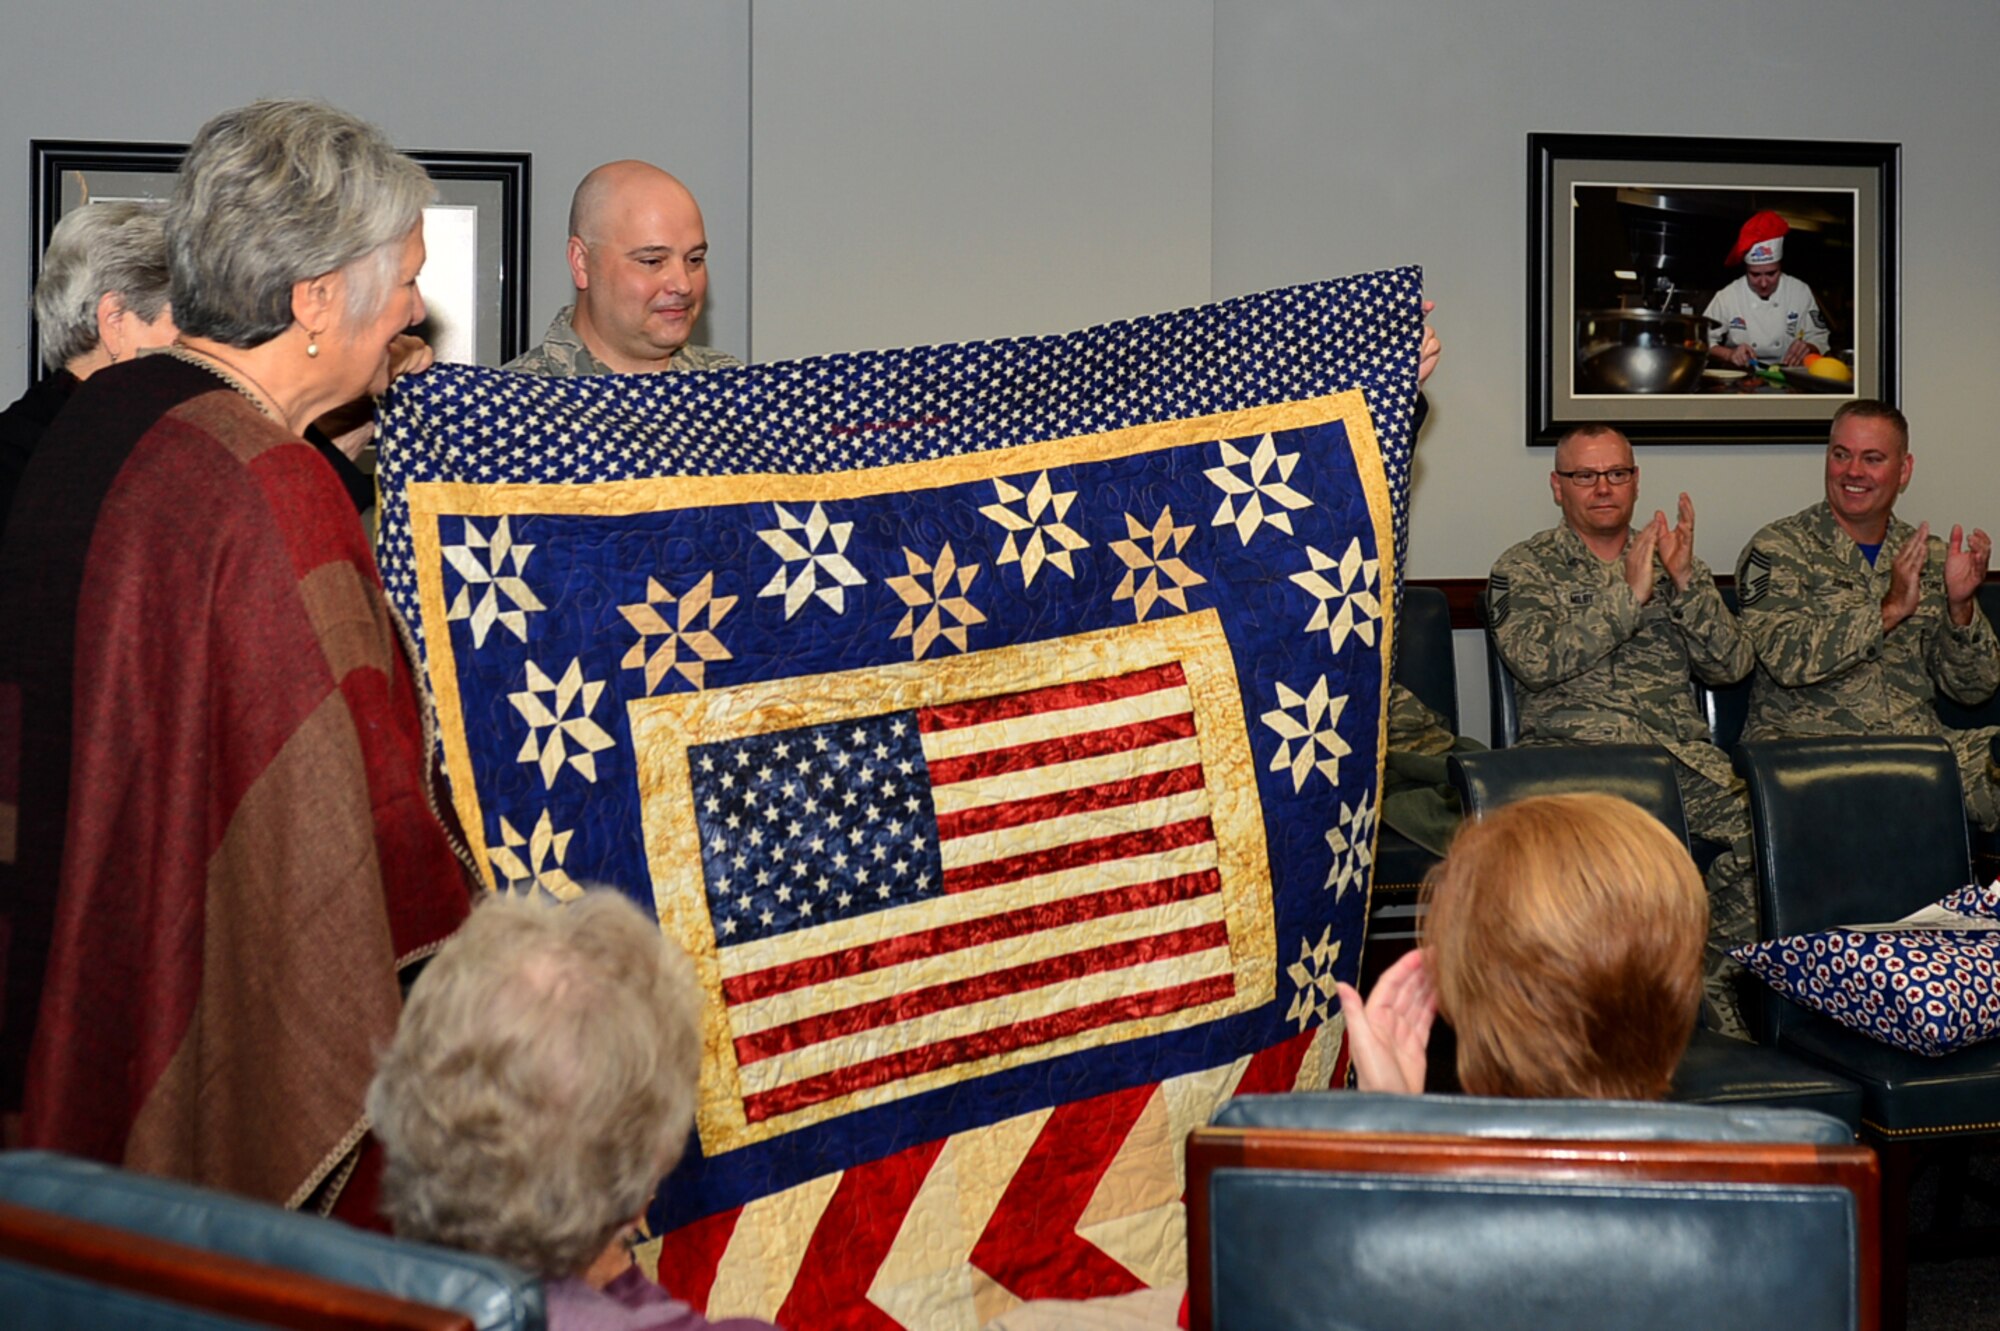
column 101, row 298
column 541, row 1084
column 221, row 747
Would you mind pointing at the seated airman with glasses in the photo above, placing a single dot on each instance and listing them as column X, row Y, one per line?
column 1602, row 624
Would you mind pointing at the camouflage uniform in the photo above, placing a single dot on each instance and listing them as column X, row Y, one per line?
column 1812, row 608
column 1596, row 667
column 1414, row 727
column 562, row 355
column 1417, row 795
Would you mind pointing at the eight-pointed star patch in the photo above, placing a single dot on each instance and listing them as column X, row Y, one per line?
column 1154, row 571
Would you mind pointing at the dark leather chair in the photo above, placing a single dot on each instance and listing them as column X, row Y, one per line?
column 1507, row 735
column 1426, row 666
column 1726, row 706
column 85, row 1244
column 1450, row 1213
column 1958, row 716
column 1851, row 831
column 1715, row 1069
column 1503, row 693
column 1641, row 773
column 1425, row 662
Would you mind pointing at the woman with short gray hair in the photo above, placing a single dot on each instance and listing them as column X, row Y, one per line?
column 101, row 298
column 542, row 1082
column 102, row 293
column 220, row 732
column 286, row 192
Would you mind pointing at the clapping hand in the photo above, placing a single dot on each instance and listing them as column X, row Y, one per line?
column 1906, row 578
column 1965, row 561
column 1639, row 552
column 1387, row 1035
column 1676, row 544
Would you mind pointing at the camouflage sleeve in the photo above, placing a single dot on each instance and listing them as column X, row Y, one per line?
column 1801, row 635
column 1413, row 727
column 538, row 360
column 1963, row 662
column 1718, row 651
column 707, row 358
column 1542, row 635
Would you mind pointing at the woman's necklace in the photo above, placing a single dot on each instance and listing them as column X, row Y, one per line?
column 236, row 377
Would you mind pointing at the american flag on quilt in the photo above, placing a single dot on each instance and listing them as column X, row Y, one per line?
column 999, row 726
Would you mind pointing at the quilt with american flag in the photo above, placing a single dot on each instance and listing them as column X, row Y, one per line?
column 998, row 726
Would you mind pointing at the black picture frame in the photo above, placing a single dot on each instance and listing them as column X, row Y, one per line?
column 1676, row 205
column 488, row 253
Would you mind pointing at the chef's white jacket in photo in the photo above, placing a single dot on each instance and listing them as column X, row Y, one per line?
column 1768, row 326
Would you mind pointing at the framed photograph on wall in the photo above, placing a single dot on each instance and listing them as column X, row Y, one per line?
column 1709, row 290
column 475, row 277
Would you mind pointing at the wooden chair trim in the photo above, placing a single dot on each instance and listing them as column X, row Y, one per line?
column 212, row 1282
column 1514, row 1157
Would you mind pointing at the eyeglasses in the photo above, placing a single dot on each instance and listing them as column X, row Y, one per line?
column 1585, row 478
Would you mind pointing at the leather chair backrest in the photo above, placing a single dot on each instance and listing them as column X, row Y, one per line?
column 1725, row 707
column 1851, row 831
column 1569, row 1120
column 1956, row 714
column 1425, row 664
column 1296, row 1227
column 1641, row 773
column 1503, row 693
column 58, row 1271
column 495, row 1296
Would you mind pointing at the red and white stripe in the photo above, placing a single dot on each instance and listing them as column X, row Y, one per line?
column 1081, row 892
column 911, row 1239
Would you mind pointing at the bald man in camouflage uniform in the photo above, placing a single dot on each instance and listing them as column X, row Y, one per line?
column 1601, row 626
column 1858, row 619
column 638, row 256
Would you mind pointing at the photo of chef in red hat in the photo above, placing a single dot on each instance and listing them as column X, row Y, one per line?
column 1764, row 314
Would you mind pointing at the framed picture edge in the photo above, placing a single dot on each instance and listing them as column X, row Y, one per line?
column 1884, row 159
column 47, row 160
column 513, row 172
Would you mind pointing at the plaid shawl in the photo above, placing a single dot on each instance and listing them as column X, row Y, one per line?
column 225, row 845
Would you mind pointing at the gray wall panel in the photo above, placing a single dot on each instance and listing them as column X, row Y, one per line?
column 932, row 171
column 575, row 84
